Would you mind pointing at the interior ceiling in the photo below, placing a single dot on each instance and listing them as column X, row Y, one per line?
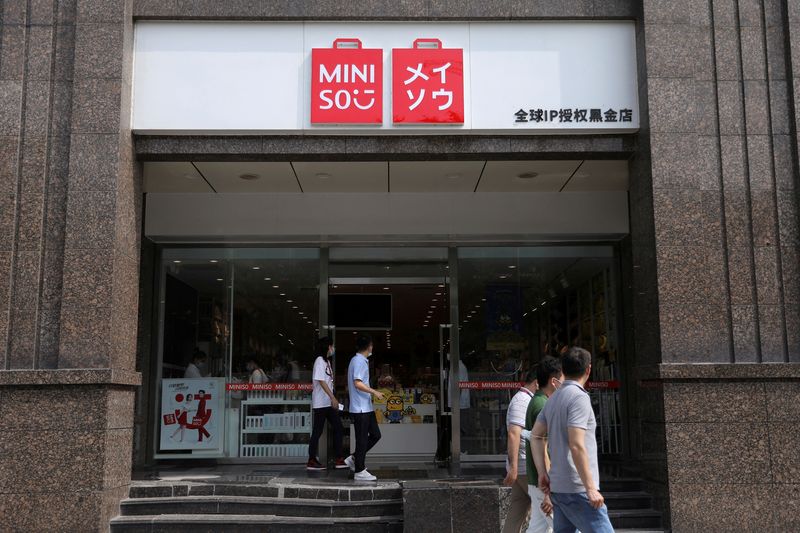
column 386, row 176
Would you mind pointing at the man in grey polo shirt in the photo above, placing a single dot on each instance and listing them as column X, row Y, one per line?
column 568, row 423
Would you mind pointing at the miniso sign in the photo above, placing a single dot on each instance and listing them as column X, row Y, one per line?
column 385, row 78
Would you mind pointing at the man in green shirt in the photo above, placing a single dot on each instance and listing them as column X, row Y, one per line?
column 549, row 376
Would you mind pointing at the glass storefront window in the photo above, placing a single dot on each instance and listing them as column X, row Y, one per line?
column 517, row 305
column 233, row 317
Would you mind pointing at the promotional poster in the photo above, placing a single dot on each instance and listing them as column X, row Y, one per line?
column 191, row 414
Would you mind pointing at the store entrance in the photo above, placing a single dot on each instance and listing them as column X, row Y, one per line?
column 405, row 307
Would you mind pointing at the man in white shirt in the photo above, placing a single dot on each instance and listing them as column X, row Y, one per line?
column 193, row 369
column 325, row 406
column 516, row 474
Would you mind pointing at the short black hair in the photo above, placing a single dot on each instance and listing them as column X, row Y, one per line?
column 199, row 355
column 530, row 376
column 323, row 344
column 548, row 368
column 575, row 362
column 362, row 342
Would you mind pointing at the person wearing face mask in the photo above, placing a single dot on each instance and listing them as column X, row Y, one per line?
column 365, row 422
column 195, row 369
column 325, row 406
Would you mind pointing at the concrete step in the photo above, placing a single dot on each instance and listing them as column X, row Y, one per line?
column 628, row 500
column 220, row 523
column 244, row 505
column 350, row 493
column 620, row 484
column 635, row 518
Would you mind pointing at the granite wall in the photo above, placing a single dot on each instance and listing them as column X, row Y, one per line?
column 69, row 262
column 722, row 135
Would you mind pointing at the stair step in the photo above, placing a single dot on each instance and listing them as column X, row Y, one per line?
column 213, row 523
column 354, row 493
column 616, row 484
column 628, row 500
column 243, row 505
column 635, row 518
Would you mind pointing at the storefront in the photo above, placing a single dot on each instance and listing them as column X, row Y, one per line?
column 475, row 185
column 465, row 271
column 268, row 305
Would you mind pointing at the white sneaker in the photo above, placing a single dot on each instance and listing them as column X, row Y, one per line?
column 351, row 462
column 525, row 434
column 364, row 476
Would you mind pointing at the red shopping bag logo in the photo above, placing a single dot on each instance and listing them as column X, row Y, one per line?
column 428, row 84
column 170, row 420
column 346, row 84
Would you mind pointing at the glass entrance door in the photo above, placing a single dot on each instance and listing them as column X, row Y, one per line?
column 400, row 299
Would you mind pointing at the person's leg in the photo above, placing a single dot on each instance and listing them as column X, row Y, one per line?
column 587, row 518
column 373, row 430
column 316, row 431
column 539, row 522
column 561, row 520
column 335, row 423
column 518, row 507
column 361, row 430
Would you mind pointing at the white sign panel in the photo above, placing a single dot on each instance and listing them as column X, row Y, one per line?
column 256, row 77
column 191, row 414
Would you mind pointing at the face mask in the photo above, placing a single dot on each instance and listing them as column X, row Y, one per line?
column 331, row 353
column 369, row 354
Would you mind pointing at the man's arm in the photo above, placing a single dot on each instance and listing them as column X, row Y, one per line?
column 538, row 442
column 360, row 385
column 580, row 456
column 334, row 401
column 513, row 454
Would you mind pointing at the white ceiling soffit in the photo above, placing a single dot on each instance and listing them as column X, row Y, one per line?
column 250, row 177
column 434, row 176
column 343, row 176
column 385, row 176
column 526, row 176
column 173, row 177
column 599, row 176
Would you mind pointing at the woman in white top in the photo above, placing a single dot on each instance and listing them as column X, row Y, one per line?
column 325, row 406
column 256, row 374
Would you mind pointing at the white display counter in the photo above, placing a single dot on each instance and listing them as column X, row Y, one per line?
column 406, row 439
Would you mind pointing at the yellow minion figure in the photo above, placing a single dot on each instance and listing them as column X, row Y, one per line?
column 395, row 410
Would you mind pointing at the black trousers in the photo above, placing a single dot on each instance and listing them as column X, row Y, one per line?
column 332, row 416
column 367, row 435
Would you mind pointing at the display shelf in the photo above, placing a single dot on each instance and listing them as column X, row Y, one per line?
column 276, row 402
column 274, row 450
column 277, row 430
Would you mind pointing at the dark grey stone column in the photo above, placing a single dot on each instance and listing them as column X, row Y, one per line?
column 69, row 241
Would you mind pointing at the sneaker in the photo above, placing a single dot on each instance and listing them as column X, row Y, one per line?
column 313, row 464
column 351, row 462
column 340, row 463
column 364, row 476
column 525, row 434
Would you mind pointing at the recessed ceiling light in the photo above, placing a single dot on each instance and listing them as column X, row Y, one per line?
column 512, row 266
column 282, row 294
column 438, row 294
column 249, row 177
column 527, row 175
column 386, row 288
column 219, row 279
column 289, row 301
column 256, row 268
column 267, row 279
column 177, row 261
column 483, row 299
column 503, row 276
column 294, row 307
column 441, row 286
column 323, row 175
column 275, row 286
column 214, row 261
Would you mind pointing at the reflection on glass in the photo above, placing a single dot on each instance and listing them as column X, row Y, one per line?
column 517, row 305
